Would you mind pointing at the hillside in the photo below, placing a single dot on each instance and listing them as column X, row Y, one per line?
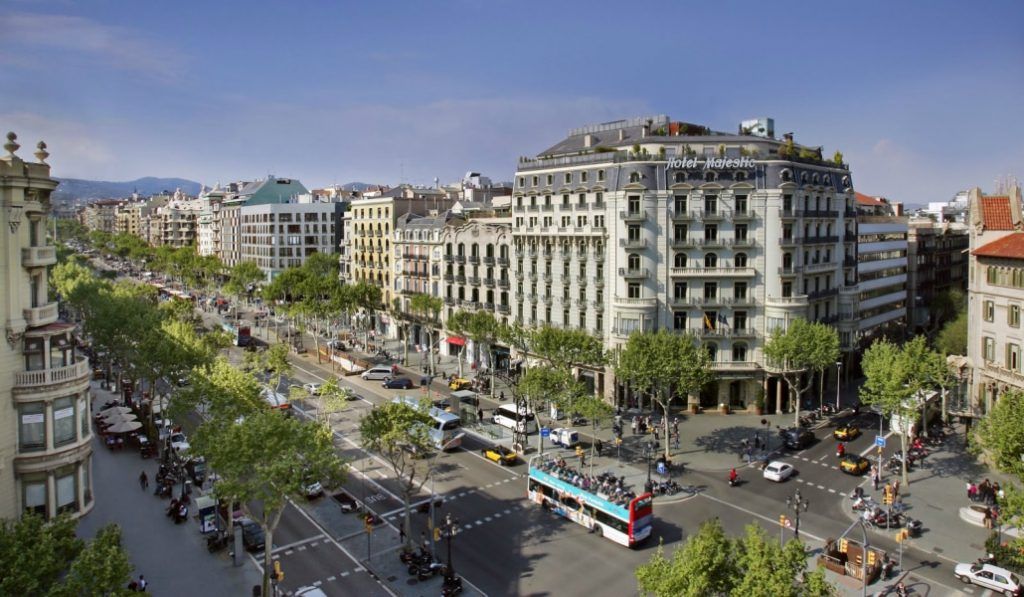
column 75, row 188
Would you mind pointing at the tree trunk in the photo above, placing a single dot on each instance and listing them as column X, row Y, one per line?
column 405, row 346
column 494, row 369
column 903, row 445
column 270, row 525
column 407, row 519
column 821, row 389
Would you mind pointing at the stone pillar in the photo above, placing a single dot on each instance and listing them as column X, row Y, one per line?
column 778, row 395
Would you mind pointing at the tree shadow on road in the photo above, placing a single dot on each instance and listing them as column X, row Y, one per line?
column 727, row 439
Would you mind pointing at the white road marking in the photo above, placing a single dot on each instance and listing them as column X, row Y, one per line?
column 289, row 552
column 331, row 578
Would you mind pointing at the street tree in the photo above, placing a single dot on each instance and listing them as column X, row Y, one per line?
column 485, row 331
column 428, row 309
column 458, row 324
column 953, row 337
column 263, row 460
column 665, row 366
column 710, row 563
column 242, row 279
column 545, row 383
column 400, row 434
column 1001, row 434
column 331, row 398
column 567, row 351
column 276, row 363
column 797, row 350
column 895, row 381
column 46, row 558
column 366, row 299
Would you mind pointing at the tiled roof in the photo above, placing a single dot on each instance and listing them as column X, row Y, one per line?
column 1010, row 246
column 863, row 199
column 995, row 212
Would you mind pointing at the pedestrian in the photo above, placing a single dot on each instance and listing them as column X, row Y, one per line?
column 401, row 533
column 875, row 479
column 143, row 583
column 502, row 394
column 757, row 442
column 656, row 434
column 675, row 425
column 480, row 414
column 675, row 440
column 636, row 424
column 143, row 481
column 583, row 458
column 972, row 491
column 748, row 454
column 996, row 490
column 895, row 488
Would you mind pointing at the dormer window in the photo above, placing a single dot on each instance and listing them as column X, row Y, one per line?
column 680, row 177
column 634, row 177
column 786, row 175
column 709, row 176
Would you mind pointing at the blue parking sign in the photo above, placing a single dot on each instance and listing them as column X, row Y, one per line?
column 879, row 441
column 545, row 432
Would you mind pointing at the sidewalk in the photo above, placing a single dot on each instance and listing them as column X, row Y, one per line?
column 173, row 557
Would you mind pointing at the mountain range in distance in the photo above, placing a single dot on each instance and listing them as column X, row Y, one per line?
column 71, row 189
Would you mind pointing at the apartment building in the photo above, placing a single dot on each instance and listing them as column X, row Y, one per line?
column 101, row 215
column 175, row 224
column 373, row 224
column 663, row 224
column 995, row 298
column 269, row 190
column 277, row 236
column 936, row 263
column 45, row 431
column 882, row 250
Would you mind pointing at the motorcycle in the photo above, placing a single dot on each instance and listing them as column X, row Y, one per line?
column 734, row 479
column 408, row 557
column 181, row 515
column 451, row 586
column 431, row 569
column 864, row 503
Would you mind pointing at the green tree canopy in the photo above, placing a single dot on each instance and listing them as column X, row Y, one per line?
column 801, row 347
column 953, row 337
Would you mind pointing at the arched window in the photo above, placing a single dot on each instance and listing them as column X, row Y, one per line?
column 709, row 176
column 680, row 177
column 786, row 175
column 634, row 177
column 633, row 262
column 712, row 349
column 741, row 175
column 739, row 353
column 741, row 260
column 679, row 260
column 711, row 260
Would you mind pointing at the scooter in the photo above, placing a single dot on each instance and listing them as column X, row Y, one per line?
column 451, row 586
column 217, row 541
column 431, row 569
column 734, row 480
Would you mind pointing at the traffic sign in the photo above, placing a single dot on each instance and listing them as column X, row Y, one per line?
column 545, row 432
column 880, row 441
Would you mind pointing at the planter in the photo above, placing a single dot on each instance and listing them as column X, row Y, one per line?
column 758, row 410
column 694, row 409
column 723, row 408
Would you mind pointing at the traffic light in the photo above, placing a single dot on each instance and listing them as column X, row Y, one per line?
column 278, row 573
column 368, row 522
column 843, row 543
column 872, row 556
column 887, row 496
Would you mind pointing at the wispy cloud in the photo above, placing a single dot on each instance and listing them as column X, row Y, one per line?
column 108, row 45
column 75, row 150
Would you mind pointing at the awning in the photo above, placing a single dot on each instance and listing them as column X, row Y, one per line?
column 456, row 341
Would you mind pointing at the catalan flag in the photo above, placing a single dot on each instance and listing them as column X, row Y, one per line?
column 707, row 322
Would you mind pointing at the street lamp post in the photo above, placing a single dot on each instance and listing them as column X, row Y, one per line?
column 648, row 450
column 450, row 524
column 767, row 430
column 433, row 496
column 839, row 379
column 797, row 503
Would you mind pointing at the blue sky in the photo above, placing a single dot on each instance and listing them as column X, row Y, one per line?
column 923, row 98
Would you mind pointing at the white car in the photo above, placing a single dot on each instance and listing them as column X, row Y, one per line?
column 778, row 471
column 179, row 443
column 989, row 576
column 309, row 592
column 312, row 388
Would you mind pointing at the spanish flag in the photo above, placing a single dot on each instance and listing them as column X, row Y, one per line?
column 707, row 322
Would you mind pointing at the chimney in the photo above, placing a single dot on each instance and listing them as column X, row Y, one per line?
column 588, row 140
column 645, row 130
column 673, row 129
column 622, row 134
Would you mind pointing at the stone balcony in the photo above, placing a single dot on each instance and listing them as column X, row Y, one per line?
column 40, row 316
column 38, row 256
column 58, row 375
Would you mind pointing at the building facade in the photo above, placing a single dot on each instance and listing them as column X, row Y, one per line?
column 45, row 442
column 655, row 224
column 936, row 263
column 994, row 300
column 277, row 236
column 882, row 253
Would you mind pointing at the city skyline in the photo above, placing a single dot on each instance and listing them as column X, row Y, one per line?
column 920, row 103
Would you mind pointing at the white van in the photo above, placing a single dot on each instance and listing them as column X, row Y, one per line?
column 522, row 420
column 378, row 372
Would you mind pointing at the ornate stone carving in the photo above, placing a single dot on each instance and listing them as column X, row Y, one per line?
column 14, row 337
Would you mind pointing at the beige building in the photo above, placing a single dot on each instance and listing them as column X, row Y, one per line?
column 45, row 432
column 995, row 299
column 102, row 215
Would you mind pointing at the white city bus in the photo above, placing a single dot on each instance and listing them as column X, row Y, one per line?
column 446, row 431
column 522, row 420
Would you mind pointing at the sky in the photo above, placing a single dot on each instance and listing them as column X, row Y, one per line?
column 923, row 98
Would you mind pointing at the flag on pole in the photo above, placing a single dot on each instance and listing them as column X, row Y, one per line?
column 707, row 322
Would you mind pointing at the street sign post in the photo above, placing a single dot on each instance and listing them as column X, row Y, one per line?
column 880, row 441
column 545, row 432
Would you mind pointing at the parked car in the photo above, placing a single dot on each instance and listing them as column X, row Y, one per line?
column 398, row 383
column 778, row 471
column 459, row 383
column 312, row 388
column 567, row 438
column 253, row 537
column 309, row 592
column 500, row 454
column 854, row 464
column 797, row 438
column 990, row 577
column 846, row 433
column 179, row 443
column 313, row 490
column 378, row 372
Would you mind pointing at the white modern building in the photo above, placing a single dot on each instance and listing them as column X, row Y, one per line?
column 882, row 250
column 277, row 236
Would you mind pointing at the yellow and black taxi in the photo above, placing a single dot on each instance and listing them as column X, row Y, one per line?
column 845, row 433
column 854, row 465
column 459, row 383
column 500, row 454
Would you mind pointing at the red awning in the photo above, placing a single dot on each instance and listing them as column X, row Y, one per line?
column 456, row 341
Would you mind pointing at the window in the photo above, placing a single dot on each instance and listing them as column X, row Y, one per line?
column 679, row 290
column 787, row 289
column 32, row 427
column 739, row 320
column 712, row 349
column 67, row 489
column 633, row 204
column 583, row 178
column 1013, row 357
column 741, row 232
column 679, row 320
column 710, row 320
column 550, row 179
column 988, row 348
column 522, row 181
column 565, row 200
column 33, row 493
column 634, row 177
column 739, row 353
column 568, row 177
column 633, row 262
column 633, row 290
column 1013, row 315
column 989, row 311
column 679, row 260
column 710, row 204
column 679, row 204
column 633, row 233
column 582, row 199
column 679, row 231
column 710, row 290
column 741, row 200
column 740, row 260
column 600, row 175
column 711, row 260
column 710, row 232
column 739, row 290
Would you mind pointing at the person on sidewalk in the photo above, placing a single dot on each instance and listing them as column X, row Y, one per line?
column 143, row 481
column 143, row 583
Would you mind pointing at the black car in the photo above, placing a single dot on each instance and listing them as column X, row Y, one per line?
column 252, row 536
column 398, row 383
column 797, row 438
